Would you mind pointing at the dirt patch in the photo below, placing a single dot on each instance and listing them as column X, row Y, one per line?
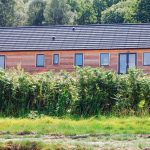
column 94, row 142
column 144, row 135
column 12, row 146
column 26, row 133
column 4, row 132
column 36, row 146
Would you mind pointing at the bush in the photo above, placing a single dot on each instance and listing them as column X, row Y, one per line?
column 96, row 91
column 46, row 93
column 55, row 93
column 86, row 91
column 16, row 91
column 6, row 90
column 129, row 92
column 145, row 92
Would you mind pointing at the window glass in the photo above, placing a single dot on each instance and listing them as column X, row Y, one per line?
column 146, row 58
column 40, row 60
column 104, row 59
column 78, row 59
column 2, row 62
column 56, row 59
column 132, row 60
column 123, row 64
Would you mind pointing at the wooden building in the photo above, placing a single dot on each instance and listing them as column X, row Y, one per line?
column 116, row 47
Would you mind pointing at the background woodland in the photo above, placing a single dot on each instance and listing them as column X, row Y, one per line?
column 72, row 12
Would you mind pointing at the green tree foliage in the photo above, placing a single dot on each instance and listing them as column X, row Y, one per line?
column 112, row 15
column 122, row 12
column 143, row 11
column 7, row 12
column 111, row 2
column 86, row 15
column 54, row 12
column 36, row 12
column 26, row 1
column 20, row 13
column 57, row 12
column 75, row 8
column 99, row 6
column 74, row 5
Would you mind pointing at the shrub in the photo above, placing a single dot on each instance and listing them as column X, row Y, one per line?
column 128, row 91
column 55, row 94
column 48, row 93
column 86, row 91
column 6, row 90
column 97, row 88
column 145, row 92
column 16, row 91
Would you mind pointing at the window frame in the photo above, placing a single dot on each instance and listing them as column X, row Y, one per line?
column 58, row 59
column 4, row 61
column 127, row 61
column 143, row 59
column 76, row 61
column 37, row 60
column 108, row 59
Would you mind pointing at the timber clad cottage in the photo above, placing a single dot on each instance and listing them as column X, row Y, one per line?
column 37, row 49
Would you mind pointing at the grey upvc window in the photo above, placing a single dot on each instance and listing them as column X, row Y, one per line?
column 104, row 59
column 40, row 60
column 127, row 61
column 56, row 59
column 79, row 59
column 146, row 59
column 2, row 62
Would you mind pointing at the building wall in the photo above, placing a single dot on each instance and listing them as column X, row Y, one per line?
column 66, row 62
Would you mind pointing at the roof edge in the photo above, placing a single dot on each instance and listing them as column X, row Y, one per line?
column 87, row 25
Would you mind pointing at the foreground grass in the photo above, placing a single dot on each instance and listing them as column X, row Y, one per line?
column 103, row 125
column 26, row 145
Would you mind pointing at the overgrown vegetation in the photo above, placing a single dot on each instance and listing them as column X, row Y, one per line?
column 84, row 92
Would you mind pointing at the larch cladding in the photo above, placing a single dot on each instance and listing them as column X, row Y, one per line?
column 27, row 59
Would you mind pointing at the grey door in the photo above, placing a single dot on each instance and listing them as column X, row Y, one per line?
column 126, row 61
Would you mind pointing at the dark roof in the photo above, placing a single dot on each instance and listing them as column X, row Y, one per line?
column 115, row 36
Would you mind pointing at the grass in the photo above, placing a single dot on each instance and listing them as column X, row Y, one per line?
column 26, row 145
column 67, row 126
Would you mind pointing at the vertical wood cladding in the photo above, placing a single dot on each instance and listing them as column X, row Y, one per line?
column 27, row 59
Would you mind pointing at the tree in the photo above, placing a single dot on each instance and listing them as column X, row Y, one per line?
column 99, row 6
column 20, row 13
column 143, row 11
column 112, row 16
column 74, row 4
column 111, row 2
column 57, row 12
column 7, row 12
column 36, row 12
column 86, row 15
column 122, row 12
